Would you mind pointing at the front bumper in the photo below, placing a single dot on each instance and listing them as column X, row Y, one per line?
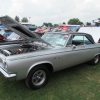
column 6, row 75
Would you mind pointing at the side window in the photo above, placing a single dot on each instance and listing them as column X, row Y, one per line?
column 86, row 40
column 78, row 40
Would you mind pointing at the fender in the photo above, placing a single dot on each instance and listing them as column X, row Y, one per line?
column 38, row 63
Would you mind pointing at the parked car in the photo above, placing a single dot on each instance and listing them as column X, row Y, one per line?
column 7, row 33
column 2, row 31
column 36, row 58
column 14, row 36
column 2, row 38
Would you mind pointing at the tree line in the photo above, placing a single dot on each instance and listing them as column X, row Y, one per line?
column 73, row 21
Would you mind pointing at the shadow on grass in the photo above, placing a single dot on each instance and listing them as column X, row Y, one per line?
column 70, row 70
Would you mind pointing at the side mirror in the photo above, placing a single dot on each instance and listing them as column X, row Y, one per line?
column 73, row 46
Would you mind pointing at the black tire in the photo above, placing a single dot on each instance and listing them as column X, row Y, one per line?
column 95, row 60
column 37, row 77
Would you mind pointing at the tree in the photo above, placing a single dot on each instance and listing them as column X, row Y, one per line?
column 64, row 23
column 50, row 24
column 17, row 18
column 97, row 24
column 24, row 19
column 45, row 24
column 75, row 21
column 88, row 23
column 56, row 25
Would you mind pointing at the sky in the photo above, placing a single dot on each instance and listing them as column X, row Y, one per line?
column 53, row 11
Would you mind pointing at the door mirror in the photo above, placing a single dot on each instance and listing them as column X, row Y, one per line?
column 73, row 46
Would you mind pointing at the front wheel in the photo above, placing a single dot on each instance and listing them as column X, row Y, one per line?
column 37, row 77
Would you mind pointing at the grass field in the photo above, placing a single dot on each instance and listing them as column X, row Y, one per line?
column 80, row 82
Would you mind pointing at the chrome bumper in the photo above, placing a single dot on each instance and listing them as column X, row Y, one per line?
column 6, row 75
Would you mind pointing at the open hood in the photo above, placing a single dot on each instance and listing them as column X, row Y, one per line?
column 16, row 27
column 19, row 29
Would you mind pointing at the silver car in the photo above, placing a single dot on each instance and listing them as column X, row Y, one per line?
column 35, row 58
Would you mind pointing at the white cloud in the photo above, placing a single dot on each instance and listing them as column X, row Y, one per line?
column 55, row 11
column 16, row 8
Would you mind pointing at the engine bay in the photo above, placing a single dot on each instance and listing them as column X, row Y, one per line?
column 19, row 49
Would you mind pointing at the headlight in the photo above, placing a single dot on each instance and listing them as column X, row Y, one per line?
column 5, row 64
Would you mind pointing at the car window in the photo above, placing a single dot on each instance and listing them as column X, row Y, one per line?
column 86, row 40
column 78, row 40
column 55, row 39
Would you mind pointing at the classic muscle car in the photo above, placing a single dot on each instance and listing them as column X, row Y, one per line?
column 35, row 58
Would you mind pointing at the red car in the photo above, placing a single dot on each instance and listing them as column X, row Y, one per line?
column 2, row 38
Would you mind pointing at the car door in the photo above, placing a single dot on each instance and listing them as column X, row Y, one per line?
column 74, row 53
column 92, row 48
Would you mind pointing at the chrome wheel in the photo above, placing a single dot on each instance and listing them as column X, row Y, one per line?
column 38, row 77
column 96, row 59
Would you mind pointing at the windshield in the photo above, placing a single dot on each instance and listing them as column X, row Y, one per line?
column 55, row 39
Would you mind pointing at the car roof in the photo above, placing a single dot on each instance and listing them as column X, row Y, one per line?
column 69, row 33
column 75, row 33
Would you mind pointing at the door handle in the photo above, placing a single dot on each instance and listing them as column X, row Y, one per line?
column 57, row 58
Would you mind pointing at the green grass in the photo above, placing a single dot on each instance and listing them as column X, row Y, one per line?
column 80, row 82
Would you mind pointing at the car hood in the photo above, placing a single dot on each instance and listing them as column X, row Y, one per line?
column 21, row 30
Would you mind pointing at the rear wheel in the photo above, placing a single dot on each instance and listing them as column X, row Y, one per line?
column 37, row 77
column 95, row 60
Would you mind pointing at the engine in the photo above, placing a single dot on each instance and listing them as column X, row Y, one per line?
column 19, row 49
